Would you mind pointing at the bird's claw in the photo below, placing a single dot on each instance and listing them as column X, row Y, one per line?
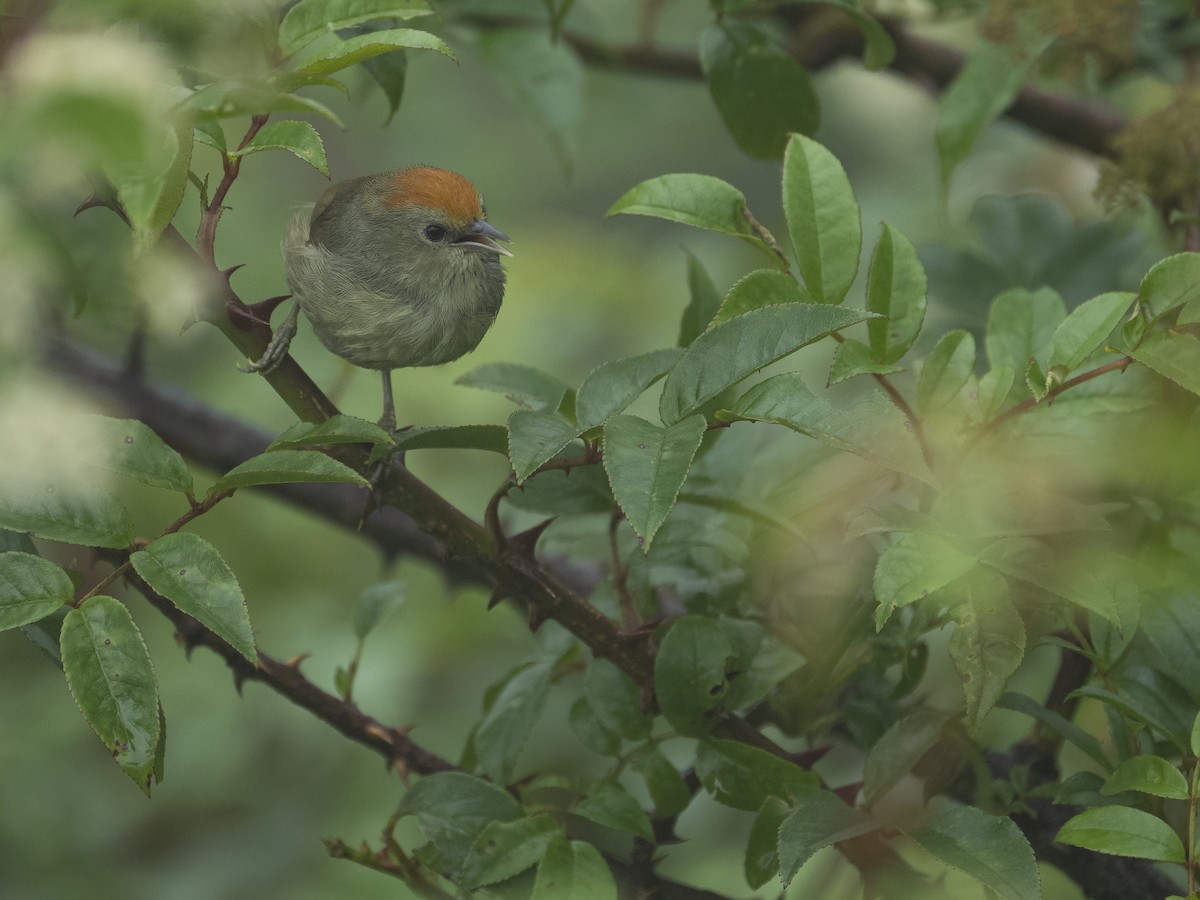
column 277, row 348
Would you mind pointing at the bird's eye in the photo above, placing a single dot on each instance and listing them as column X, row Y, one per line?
column 435, row 232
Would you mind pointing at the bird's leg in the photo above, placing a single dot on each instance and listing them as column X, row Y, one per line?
column 277, row 348
column 388, row 421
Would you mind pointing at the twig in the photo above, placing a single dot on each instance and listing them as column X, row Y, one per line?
column 206, row 234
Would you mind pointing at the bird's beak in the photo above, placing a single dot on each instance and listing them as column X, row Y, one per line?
column 481, row 237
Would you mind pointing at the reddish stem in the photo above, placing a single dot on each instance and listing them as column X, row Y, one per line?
column 206, row 235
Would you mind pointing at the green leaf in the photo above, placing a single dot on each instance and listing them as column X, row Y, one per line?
column 743, row 777
column 818, row 819
column 523, row 385
column 914, row 567
column 610, row 805
column 1060, row 725
column 542, row 76
column 899, row 749
column 1171, row 282
column 703, row 304
column 31, row 588
column 872, row 428
column 1020, row 326
column 690, row 677
column 1084, row 331
column 46, row 632
column 1174, row 355
column 1147, row 775
column 946, row 370
column 365, row 46
column 573, row 870
column 188, row 571
column 334, row 430
column 110, row 675
column 611, row 387
column 762, row 287
column 150, row 189
column 534, row 438
column 285, row 466
column 1194, row 742
column 1149, row 696
column 390, row 72
column 505, row 849
column 1123, row 831
column 593, row 733
column 310, row 19
column 727, row 353
column 454, row 808
column 762, row 93
column 230, row 99
column 212, row 134
column 455, row 437
column 994, row 388
column 647, row 464
column 376, row 603
column 666, row 786
column 879, row 49
column 299, row 138
column 616, row 700
column 133, row 449
column 853, row 358
column 985, row 86
column 823, row 219
column 896, row 288
column 701, row 201
column 762, row 850
column 93, row 519
column 505, row 729
column 991, row 849
column 988, row 645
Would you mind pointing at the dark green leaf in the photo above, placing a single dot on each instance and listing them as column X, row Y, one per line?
column 1123, row 831
column 188, row 571
column 991, row 849
column 762, row 287
column 743, row 777
column 132, row 449
column 310, row 19
column 455, row 437
column 762, row 850
column 896, row 288
column 46, row 634
column 1174, row 355
column 818, row 819
column 506, row 727
column 666, row 786
column 54, row 512
column 823, row 219
column 690, row 677
column 299, row 138
column 334, row 430
column 1065, row 728
column 879, row 49
column 616, row 700
column 453, row 808
column 573, row 870
column 704, row 302
column 1147, row 775
column 593, row 733
column 110, row 675
column 505, row 849
column 727, row 353
column 914, row 567
column 762, row 93
column 375, row 604
column 899, row 749
column 946, row 370
column 610, row 805
column 582, row 490
column 854, row 358
column 988, row 645
column 647, row 464
column 31, row 588
column 390, row 72
column 1084, row 331
column 523, row 385
column 534, row 438
column 613, row 385
column 285, row 466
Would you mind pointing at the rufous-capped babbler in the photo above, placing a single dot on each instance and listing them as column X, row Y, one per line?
column 393, row 270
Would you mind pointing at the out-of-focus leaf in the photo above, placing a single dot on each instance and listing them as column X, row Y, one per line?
column 819, row 819
column 762, row 850
column 991, row 849
column 230, row 99
column 914, row 567
column 1063, row 727
column 573, row 870
column 1173, row 355
column 1171, row 282
column 31, row 588
column 616, row 700
column 743, row 777
column 901, row 747
column 988, row 645
column 132, row 449
column 508, row 723
column 1020, row 326
column 611, row 805
column 664, row 783
column 703, row 304
column 946, row 370
column 93, row 519
column 376, row 603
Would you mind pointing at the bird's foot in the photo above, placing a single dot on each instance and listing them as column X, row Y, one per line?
column 277, row 349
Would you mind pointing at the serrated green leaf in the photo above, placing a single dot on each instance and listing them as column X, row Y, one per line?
column 31, row 588
column 334, row 430
column 610, row 805
column 1084, row 331
column 534, row 438
column 762, row 287
column 690, row 679
column 493, row 438
column 505, row 849
column 189, row 571
column 298, row 138
column 375, row 604
column 132, row 449
column 701, row 201
column 573, row 870
column 1064, row 727
column 647, row 464
column 991, row 849
column 896, row 288
column 988, row 645
column 508, row 723
column 704, row 301
column 664, row 783
column 727, row 353
column 110, row 675
column 819, row 819
column 853, row 358
column 761, row 862
column 93, row 519
column 762, row 93
column 583, row 490
column 616, row 700
column 1020, row 327
column 613, row 385
column 453, row 808
column 743, row 777
column 212, row 134
column 912, row 568
column 286, row 466
column 946, row 370
column 1147, row 775
column 900, row 748
column 523, row 385
column 1171, row 282
column 1123, row 831
column 365, row 46
column 1174, row 355
column 872, row 428
column 823, row 219
column 310, row 19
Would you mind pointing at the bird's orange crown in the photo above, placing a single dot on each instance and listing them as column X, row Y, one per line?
column 436, row 188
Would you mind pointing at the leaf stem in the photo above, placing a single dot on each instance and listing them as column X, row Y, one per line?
column 206, row 234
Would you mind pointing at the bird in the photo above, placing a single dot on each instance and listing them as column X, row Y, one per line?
column 393, row 270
